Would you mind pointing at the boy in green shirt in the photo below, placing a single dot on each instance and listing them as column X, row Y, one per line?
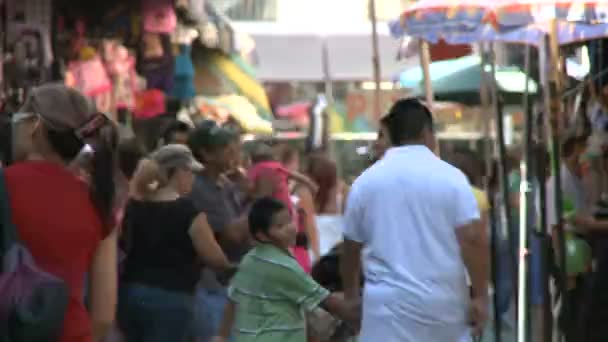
column 271, row 294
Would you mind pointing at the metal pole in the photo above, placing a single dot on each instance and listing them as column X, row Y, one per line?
column 425, row 61
column 375, row 60
column 525, row 203
column 555, row 86
column 494, row 235
column 329, row 96
column 544, row 132
column 501, row 148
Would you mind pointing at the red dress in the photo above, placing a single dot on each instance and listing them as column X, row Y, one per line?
column 58, row 223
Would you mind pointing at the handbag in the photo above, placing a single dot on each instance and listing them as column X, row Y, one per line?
column 33, row 302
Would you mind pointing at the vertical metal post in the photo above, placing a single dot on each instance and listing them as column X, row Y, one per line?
column 425, row 61
column 525, row 209
column 375, row 61
column 488, row 151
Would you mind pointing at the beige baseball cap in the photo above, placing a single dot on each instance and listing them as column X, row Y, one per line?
column 61, row 107
column 175, row 155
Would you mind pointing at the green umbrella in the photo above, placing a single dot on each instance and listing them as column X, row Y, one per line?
column 459, row 80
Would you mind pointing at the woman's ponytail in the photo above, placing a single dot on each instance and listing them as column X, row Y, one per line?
column 147, row 179
column 103, row 172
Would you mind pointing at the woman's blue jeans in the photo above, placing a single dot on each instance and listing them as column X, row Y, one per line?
column 148, row 314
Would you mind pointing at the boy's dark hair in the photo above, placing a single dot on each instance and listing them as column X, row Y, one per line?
column 406, row 121
column 175, row 127
column 262, row 213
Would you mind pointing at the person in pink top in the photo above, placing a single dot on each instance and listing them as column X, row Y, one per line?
column 270, row 178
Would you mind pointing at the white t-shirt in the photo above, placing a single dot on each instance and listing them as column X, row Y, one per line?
column 405, row 210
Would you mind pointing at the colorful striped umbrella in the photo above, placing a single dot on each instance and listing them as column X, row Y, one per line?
column 521, row 21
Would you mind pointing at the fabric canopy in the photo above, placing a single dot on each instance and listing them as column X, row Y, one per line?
column 287, row 53
column 459, row 80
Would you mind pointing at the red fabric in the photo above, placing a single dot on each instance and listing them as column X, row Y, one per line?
column 279, row 173
column 60, row 226
column 443, row 51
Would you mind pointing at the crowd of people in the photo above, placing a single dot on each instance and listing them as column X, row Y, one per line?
column 200, row 241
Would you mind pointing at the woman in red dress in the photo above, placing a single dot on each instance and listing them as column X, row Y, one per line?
column 65, row 223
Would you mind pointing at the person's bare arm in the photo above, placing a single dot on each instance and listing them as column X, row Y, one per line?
column 235, row 234
column 348, row 310
column 206, row 245
column 473, row 241
column 350, row 269
column 304, row 180
column 103, row 283
column 307, row 204
column 227, row 322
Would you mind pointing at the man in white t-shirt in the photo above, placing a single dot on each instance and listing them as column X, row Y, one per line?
column 418, row 221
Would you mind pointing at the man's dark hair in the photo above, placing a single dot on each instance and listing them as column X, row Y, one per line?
column 262, row 214
column 406, row 121
column 175, row 127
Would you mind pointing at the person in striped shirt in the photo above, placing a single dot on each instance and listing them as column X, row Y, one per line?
column 271, row 294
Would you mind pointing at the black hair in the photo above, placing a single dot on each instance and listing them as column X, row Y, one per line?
column 103, row 164
column 175, row 127
column 130, row 152
column 262, row 213
column 406, row 121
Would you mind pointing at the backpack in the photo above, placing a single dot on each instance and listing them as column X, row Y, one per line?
column 33, row 302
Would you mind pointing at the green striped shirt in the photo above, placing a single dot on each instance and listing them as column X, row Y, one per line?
column 272, row 294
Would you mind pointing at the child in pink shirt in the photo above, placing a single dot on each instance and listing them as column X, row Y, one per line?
column 270, row 178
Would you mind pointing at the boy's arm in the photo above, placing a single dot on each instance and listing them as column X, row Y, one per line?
column 348, row 311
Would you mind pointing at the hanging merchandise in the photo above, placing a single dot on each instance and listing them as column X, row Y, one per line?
column 28, row 55
column 159, row 16
column 89, row 76
column 121, row 68
column 191, row 11
column 183, row 88
column 210, row 37
column 184, row 35
column 27, row 64
column 29, row 15
column 156, row 62
column 149, row 104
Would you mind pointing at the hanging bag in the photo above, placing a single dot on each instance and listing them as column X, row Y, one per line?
column 32, row 302
column 159, row 16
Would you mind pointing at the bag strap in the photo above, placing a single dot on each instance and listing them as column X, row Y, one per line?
column 8, row 231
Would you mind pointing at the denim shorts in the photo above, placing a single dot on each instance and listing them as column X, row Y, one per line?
column 209, row 312
column 148, row 314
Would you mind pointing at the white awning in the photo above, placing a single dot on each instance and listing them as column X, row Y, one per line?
column 288, row 53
